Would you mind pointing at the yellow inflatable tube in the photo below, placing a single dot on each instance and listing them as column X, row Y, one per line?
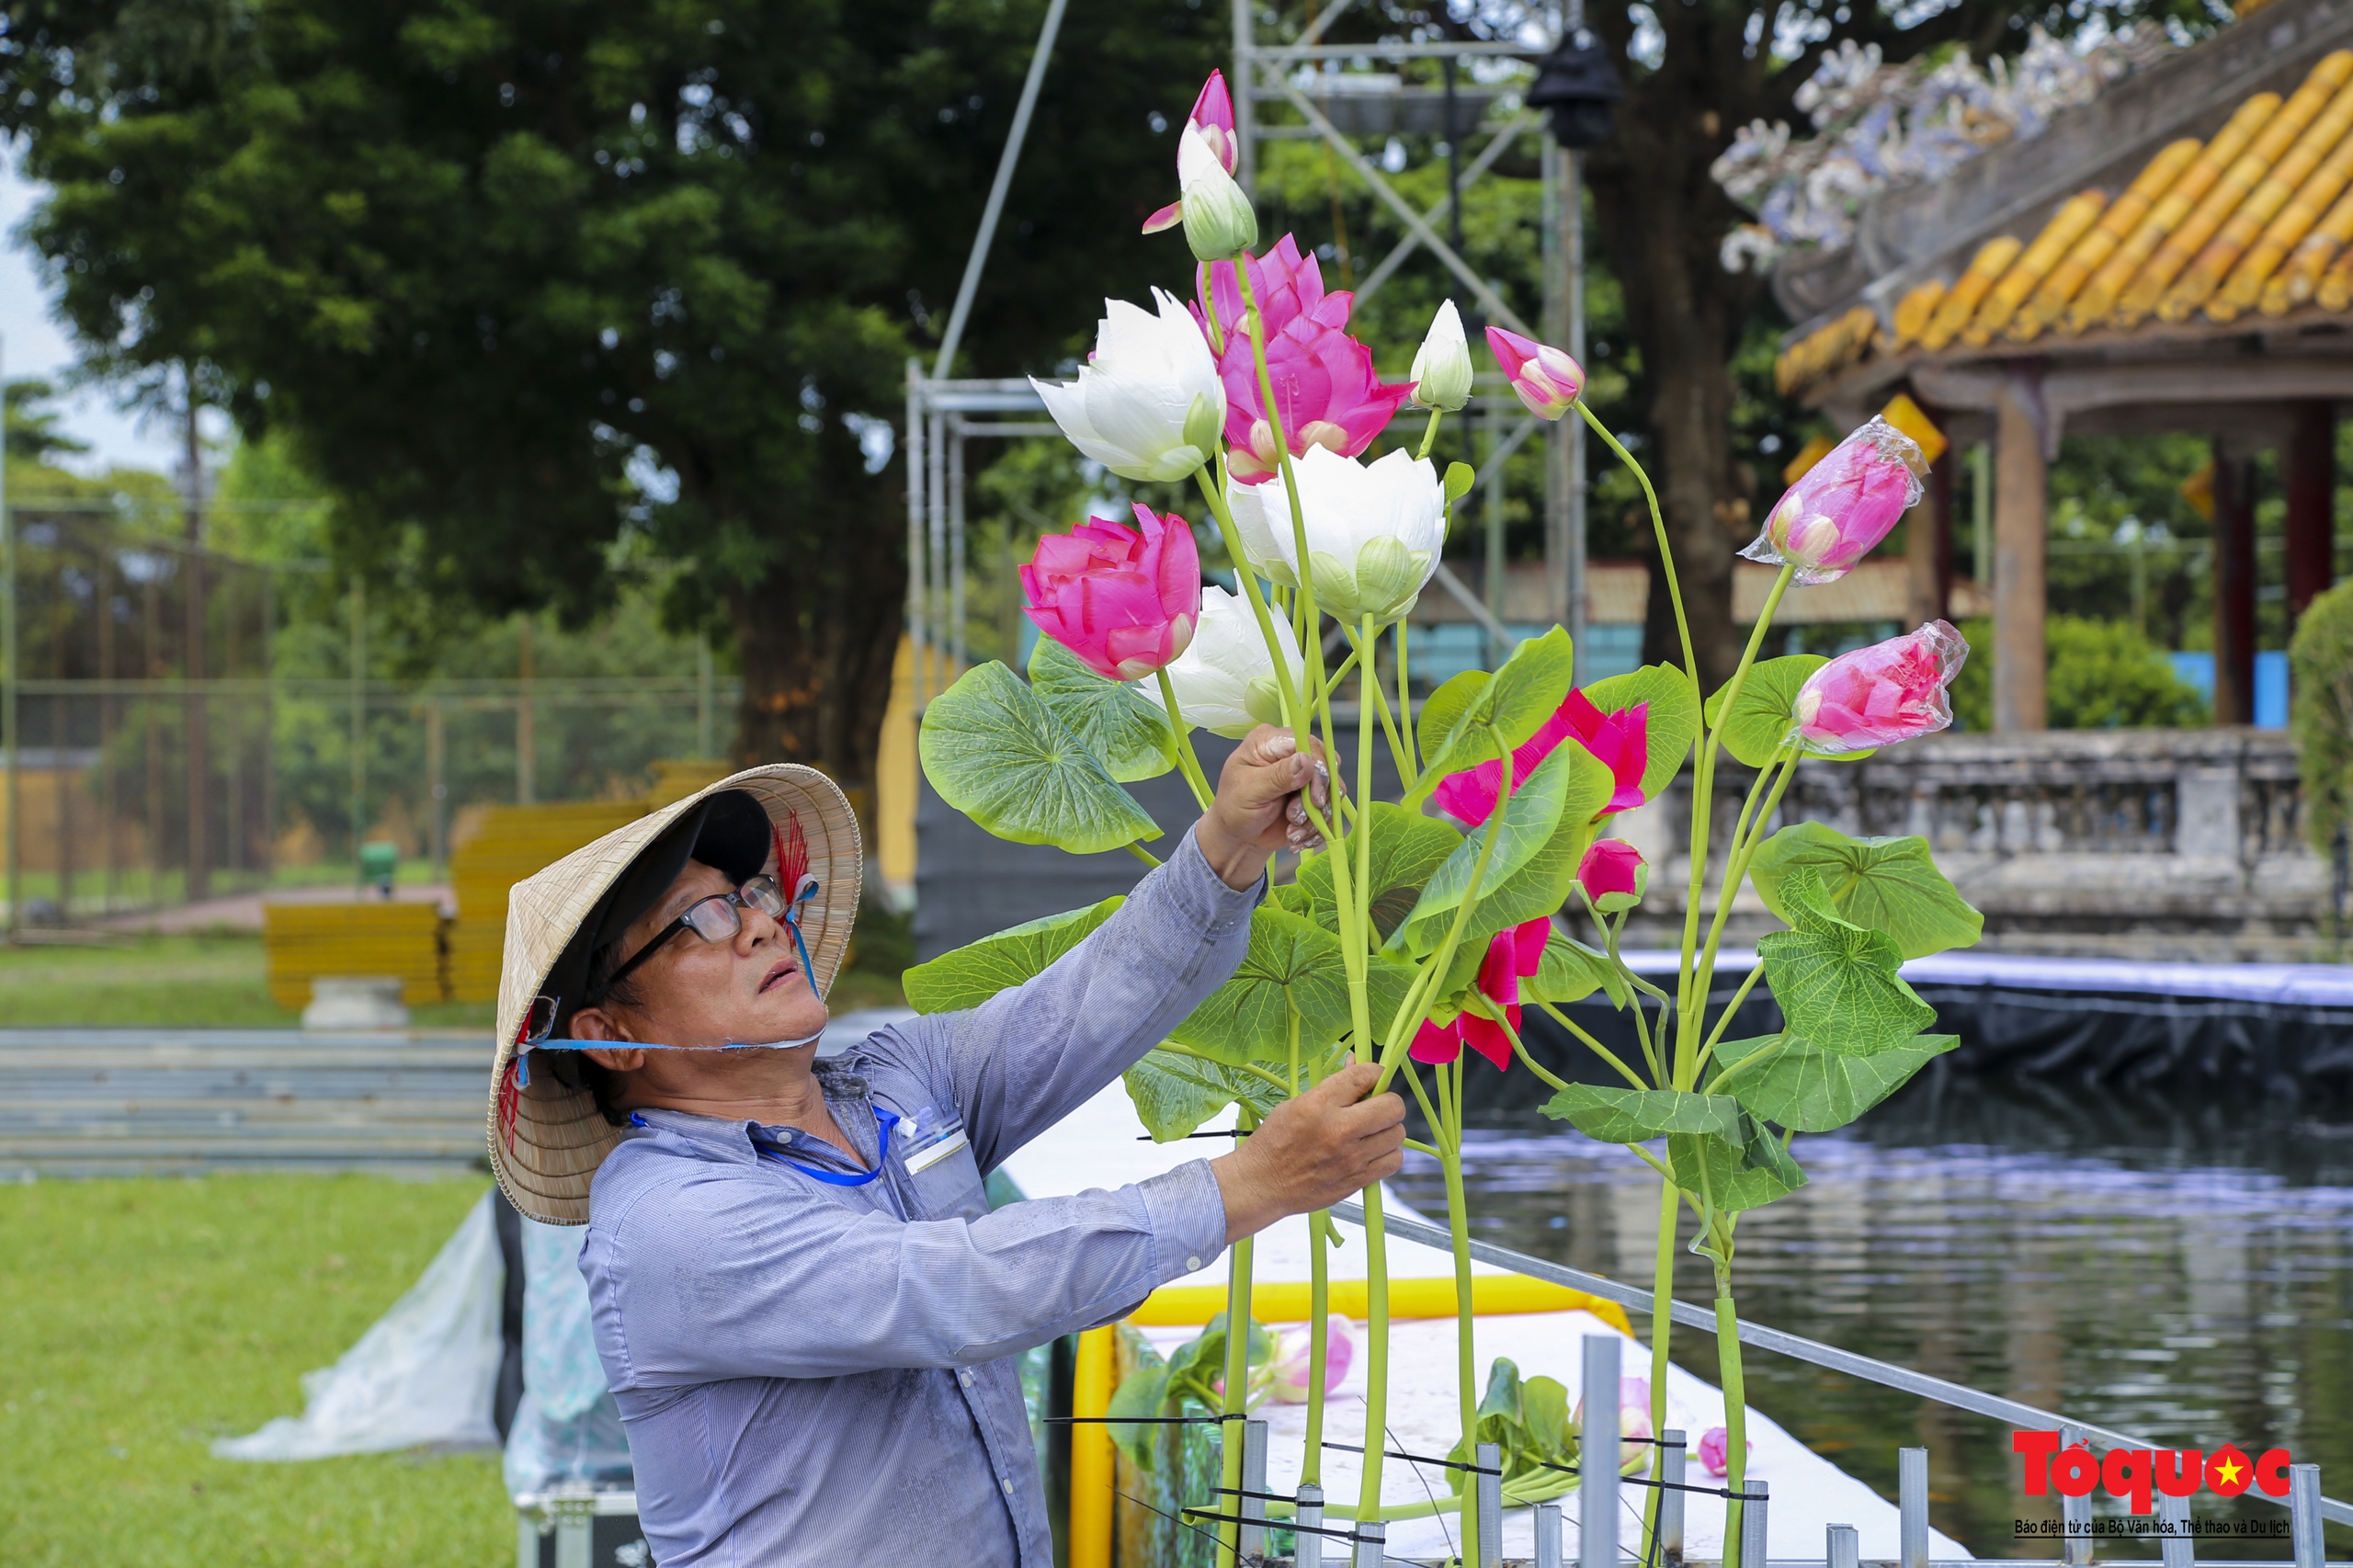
column 1492, row 1295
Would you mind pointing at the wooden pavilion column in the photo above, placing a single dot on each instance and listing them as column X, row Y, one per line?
column 1928, row 541
column 2308, row 472
column 2233, row 586
column 2021, row 479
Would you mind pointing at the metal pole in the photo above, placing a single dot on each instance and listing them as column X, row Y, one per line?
column 1842, row 1546
column 359, row 718
column 995, row 208
column 1371, row 1551
column 936, row 545
column 1555, row 329
column 197, row 752
column 1912, row 1507
column 436, row 790
column 1573, row 428
column 1309, row 1552
column 1597, row 1456
column 916, row 566
column 2074, row 1513
column 527, row 737
column 1492, row 418
column 1489, row 1458
column 704, row 740
column 1244, row 93
column 1252, row 1541
column 2175, row 1547
column 1670, row 1501
column 9, row 675
column 1548, row 1535
column 956, row 542
column 2303, row 1516
column 1752, row 1524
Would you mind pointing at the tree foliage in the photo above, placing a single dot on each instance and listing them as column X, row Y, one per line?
column 525, row 279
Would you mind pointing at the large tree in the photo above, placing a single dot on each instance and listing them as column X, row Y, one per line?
column 520, row 276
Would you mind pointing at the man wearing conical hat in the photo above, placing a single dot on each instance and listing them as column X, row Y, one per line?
column 804, row 1304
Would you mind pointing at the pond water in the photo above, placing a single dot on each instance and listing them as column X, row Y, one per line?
column 2183, row 1271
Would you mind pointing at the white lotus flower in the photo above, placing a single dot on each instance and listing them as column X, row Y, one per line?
column 1373, row 530
column 1219, row 222
column 1148, row 403
column 1442, row 373
column 1224, row 680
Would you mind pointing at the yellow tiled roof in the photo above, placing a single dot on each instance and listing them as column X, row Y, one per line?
column 2258, row 219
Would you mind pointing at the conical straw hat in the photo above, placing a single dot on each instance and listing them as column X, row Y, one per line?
column 546, row 1140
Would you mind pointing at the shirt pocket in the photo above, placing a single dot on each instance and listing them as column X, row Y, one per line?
column 945, row 1180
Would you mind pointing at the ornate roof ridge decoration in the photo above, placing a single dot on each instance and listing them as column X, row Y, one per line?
column 2162, row 236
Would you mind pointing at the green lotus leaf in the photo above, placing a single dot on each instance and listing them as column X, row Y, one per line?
column 1881, row 884
column 1126, row 732
column 1292, row 961
column 1673, row 719
column 1762, row 719
column 1801, row 1087
column 972, row 975
column 1175, row 1093
column 1836, row 981
column 1609, row 1115
column 995, row 751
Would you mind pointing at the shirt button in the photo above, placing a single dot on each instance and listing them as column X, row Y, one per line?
column 1008, row 1484
column 964, row 1378
column 1194, row 1262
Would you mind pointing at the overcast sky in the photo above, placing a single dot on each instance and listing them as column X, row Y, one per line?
column 32, row 344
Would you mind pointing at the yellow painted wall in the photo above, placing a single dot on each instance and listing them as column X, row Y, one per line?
column 896, row 768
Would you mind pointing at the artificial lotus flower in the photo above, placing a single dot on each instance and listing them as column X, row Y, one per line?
column 1225, row 680
column 1513, row 955
column 1292, row 1364
column 1148, row 403
column 1895, row 690
column 1633, row 1408
column 1839, row 508
column 1613, row 875
column 1125, row 603
column 1715, row 1451
column 1621, row 741
column 1213, row 119
column 1546, row 379
column 1373, row 530
column 1442, row 373
column 1326, row 392
column 1219, row 221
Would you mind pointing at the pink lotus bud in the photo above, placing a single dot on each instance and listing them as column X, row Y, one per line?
column 1125, row 603
column 1213, row 119
column 1618, row 740
column 1633, row 1408
column 1877, row 695
column 1844, row 505
column 1546, row 379
column 1715, row 1451
column 1613, row 875
column 1293, row 1359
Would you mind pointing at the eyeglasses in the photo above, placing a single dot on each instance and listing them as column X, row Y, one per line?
column 714, row 919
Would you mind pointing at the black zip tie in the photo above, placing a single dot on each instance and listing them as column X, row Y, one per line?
column 1724, row 1492
column 1655, row 1442
column 1421, row 1458
column 1181, row 1524
column 1139, row 1420
column 1262, row 1496
column 1270, row 1524
column 1229, row 1133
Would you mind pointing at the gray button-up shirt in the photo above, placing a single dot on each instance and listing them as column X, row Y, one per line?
column 820, row 1373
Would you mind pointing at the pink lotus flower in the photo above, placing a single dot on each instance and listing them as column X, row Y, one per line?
column 1546, row 379
column 1125, row 603
column 1633, row 1408
column 1619, row 740
column 1844, row 505
column 1892, row 691
column 1292, row 1364
column 1212, row 117
column 1513, row 955
column 1613, row 875
column 1326, row 392
column 1715, row 1451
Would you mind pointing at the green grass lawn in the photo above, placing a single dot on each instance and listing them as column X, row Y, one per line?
column 140, row 1319
column 215, row 982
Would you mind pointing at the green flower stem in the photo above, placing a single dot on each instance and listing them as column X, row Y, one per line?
column 1284, row 684
column 1744, row 853
column 1393, row 1512
column 1458, row 1216
column 1725, row 1017
column 1419, row 1147
column 1332, row 683
column 1376, row 1350
column 1735, row 1407
column 1641, row 1019
column 1187, row 763
column 1365, row 651
column 1594, row 1046
column 1666, row 551
column 1319, row 1317
column 1653, row 1161
column 1238, row 1377
column 1429, row 1112
column 1411, row 775
column 1415, row 1006
column 1520, row 1051
column 1429, row 436
column 1703, row 783
column 1662, row 1326
column 1716, row 1085
column 1140, row 853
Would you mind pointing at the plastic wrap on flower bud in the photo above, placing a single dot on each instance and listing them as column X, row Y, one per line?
column 1442, row 373
column 1294, row 1360
column 1892, row 691
column 1840, row 508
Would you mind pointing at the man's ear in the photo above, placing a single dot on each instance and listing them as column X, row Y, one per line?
column 594, row 1023
column 626, row 1058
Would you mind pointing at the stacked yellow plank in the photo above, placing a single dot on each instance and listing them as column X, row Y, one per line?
column 2261, row 218
column 304, row 941
column 512, row 843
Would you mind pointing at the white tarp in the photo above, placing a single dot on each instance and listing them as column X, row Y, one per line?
column 423, row 1375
